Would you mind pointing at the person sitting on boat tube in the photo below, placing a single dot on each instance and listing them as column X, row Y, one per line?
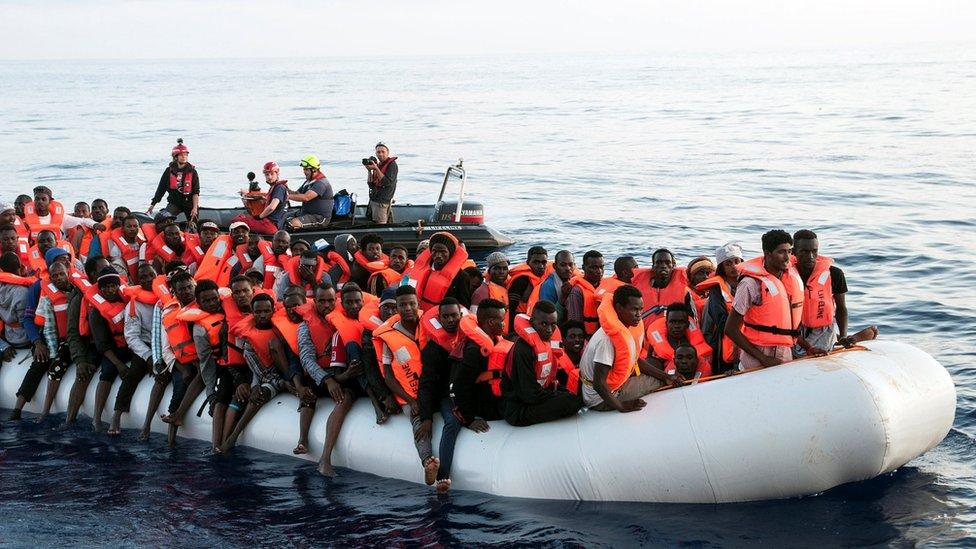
column 316, row 197
column 382, row 180
column 272, row 216
column 613, row 375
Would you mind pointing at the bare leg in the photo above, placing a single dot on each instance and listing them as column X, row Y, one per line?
column 193, row 390
column 116, row 427
column 53, row 385
column 155, row 397
column 220, row 410
column 101, row 396
column 15, row 414
column 332, row 428
column 305, row 414
column 381, row 414
column 77, row 396
column 229, row 418
column 252, row 408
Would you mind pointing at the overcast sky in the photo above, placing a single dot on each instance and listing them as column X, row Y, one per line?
column 110, row 29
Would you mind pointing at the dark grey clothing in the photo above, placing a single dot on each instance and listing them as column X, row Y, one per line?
column 383, row 190
column 321, row 204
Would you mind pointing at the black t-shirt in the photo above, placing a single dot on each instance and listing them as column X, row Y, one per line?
column 383, row 192
column 177, row 197
column 838, row 282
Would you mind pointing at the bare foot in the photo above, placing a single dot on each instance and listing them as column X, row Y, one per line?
column 381, row 416
column 14, row 415
column 97, row 426
column 172, row 420
column 867, row 334
column 430, row 470
column 218, row 450
column 143, row 436
column 65, row 426
column 443, row 485
column 301, row 448
column 326, row 470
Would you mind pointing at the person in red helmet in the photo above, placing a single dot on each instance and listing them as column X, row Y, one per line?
column 181, row 183
column 269, row 220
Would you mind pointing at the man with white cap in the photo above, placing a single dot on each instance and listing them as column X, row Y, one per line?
column 719, row 290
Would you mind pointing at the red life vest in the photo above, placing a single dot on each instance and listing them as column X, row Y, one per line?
column 140, row 294
column 36, row 260
column 181, row 181
column 293, row 278
column 259, row 338
column 389, row 276
column 321, row 332
column 496, row 292
column 158, row 248
column 217, row 262
column 656, row 300
column 547, row 353
column 114, row 315
column 333, row 259
column 591, row 321
column 178, row 332
column 657, row 338
column 406, row 363
column 495, row 350
column 59, row 304
column 728, row 347
column 818, row 299
column 431, row 329
column 273, row 264
column 776, row 321
column 33, row 220
column 350, row 329
column 608, row 286
column 371, row 266
column 84, row 247
column 215, row 325
column 432, row 285
column 128, row 254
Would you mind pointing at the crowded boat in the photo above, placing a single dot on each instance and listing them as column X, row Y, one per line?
column 244, row 313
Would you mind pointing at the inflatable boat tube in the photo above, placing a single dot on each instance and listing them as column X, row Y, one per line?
column 788, row 431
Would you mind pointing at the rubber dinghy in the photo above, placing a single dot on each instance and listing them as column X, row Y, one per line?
column 789, row 431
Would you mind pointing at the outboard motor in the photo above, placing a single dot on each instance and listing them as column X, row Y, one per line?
column 472, row 212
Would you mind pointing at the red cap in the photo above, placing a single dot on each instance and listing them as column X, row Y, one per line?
column 180, row 148
column 270, row 167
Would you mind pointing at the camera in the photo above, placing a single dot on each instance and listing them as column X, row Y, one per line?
column 370, row 160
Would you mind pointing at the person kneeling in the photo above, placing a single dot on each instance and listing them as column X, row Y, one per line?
column 529, row 380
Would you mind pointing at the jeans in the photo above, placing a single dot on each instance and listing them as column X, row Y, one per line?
column 448, row 437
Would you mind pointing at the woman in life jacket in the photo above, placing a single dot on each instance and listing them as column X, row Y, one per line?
column 180, row 183
column 719, row 289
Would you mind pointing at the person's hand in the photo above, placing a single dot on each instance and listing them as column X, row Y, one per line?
column 41, row 352
column 7, row 354
column 335, row 390
column 631, row 405
column 260, row 396
column 99, row 227
column 479, row 425
column 423, row 432
column 150, row 209
column 243, row 392
column 769, row 361
column 354, row 370
column 193, row 213
column 306, row 396
column 816, row 351
column 242, row 192
column 675, row 380
column 564, row 291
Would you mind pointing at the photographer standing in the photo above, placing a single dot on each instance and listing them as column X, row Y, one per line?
column 382, row 179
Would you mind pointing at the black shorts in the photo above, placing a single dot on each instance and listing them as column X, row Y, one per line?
column 355, row 385
column 228, row 377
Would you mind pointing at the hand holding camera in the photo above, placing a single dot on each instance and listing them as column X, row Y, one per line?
column 370, row 162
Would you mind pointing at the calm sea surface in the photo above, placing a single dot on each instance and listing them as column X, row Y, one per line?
column 873, row 150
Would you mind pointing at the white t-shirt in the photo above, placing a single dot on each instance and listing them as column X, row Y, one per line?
column 598, row 349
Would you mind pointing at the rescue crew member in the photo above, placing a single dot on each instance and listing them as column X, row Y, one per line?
column 611, row 362
column 392, row 274
column 719, row 289
column 138, row 337
column 767, row 307
column 441, row 328
column 106, row 320
column 180, row 183
column 529, row 386
column 582, row 301
column 272, row 217
column 382, row 180
column 316, row 197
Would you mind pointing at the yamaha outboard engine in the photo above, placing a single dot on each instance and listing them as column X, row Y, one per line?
column 471, row 212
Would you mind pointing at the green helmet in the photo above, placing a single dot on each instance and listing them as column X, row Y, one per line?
column 310, row 161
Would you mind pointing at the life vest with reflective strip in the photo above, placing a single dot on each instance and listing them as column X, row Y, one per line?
column 113, row 313
column 369, row 317
column 17, row 280
column 286, row 328
column 498, row 293
column 775, row 321
column 178, row 332
column 818, row 297
column 523, row 270
column 128, row 251
column 273, row 264
column 547, row 353
column 350, row 329
column 406, row 363
column 181, row 181
column 495, row 350
column 608, row 286
column 321, row 331
column 233, row 314
column 84, row 247
column 728, row 347
column 371, row 266
column 158, row 248
column 627, row 343
column 431, row 329
column 294, row 278
column 591, row 322
column 33, row 220
column 656, row 300
column 59, row 304
column 389, row 276
column 259, row 338
column 140, row 294
column 36, row 259
column 215, row 324
column 214, row 264
column 433, row 285
column 657, row 339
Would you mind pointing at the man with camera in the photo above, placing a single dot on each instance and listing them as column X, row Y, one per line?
column 382, row 178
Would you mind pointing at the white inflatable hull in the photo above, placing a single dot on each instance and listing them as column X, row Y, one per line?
column 783, row 432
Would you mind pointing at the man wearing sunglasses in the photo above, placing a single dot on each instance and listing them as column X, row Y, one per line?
column 316, row 197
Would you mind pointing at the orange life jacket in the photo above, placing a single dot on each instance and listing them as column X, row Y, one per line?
column 217, row 261
column 129, row 254
column 321, row 332
column 59, row 303
column 728, row 347
column 371, row 266
column 818, row 299
column 84, row 247
column 547, row 353
column 431, row 329
column 17, row 280
column 521, row 270
column 495, row 350
column 406, row 363
column 255, row 202
column 350, row 329
column 293, row 278
column 113, row 313
column 572, row 373
column 157, row 247
column 656, row 300
column 273, row 264
column 657, row 338
column 178, row 332
column 432, row 285
column 140, row 294
column 369, row 316
column 608, row 286
column 389, row 276
column 36, row 259
column 498, row 293
column 627, row 343
column 286, row 328
column 217, row 330
column 259, row 338
column 33, row 220
column 591, row 321
column 776, row 321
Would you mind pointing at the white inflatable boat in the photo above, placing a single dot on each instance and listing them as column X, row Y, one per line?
column 788, row 431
